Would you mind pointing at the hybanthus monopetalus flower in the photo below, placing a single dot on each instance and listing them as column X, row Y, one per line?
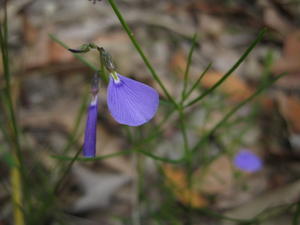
column 247, row 161
column 89, row 143
column 131, row 102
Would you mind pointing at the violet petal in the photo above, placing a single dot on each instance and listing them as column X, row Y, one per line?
column 247, row 161
column 131, row 102
column 89, row 145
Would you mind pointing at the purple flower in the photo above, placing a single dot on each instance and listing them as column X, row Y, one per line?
column 89, row 144
column 131, row 102
column 247, row 161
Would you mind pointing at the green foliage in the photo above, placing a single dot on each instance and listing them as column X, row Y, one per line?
column 41, row 200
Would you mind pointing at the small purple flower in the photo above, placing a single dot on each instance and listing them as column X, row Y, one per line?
column 89, row 144
column 131, row 102
column 247, row 161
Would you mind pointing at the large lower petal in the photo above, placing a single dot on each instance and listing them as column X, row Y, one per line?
column 131, row 102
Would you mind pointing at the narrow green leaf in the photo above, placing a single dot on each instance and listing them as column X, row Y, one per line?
column 101, row 157
column 231, row 70
column 82, row 59
column 188, row 65
column 196, row 83
column 264, row 86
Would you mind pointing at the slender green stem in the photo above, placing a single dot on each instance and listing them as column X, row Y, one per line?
column 187, row 161
column 8, row 97
column 75, row 131
column 59, row 183
column 103, row 69
column 152, row 135
column 231, row 70
column 183, row 131
column 82, row 59
column 140, row 51
column 101, row 157
column 17, row 171
column 188, row 65
column 123, row 152
column 155, row 157
column 264, row 86
column 196, row 83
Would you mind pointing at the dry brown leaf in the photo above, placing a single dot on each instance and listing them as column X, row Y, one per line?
column 30, row 32
column 290, row 108
column 235, row 88
column 58, row 54
column 177, row 180
column 291, row 54
column 217, row 178
column 289, row 62
column 178, row 63
column 292, row 45
column 37, row 55
column 276, row 198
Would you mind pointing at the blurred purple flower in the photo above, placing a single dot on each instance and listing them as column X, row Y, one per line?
column 247, row 161
column 131, row 102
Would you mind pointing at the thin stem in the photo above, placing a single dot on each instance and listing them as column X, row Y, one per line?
column 68, row 168
column 183, row 131
column 74, row 133
column 188, row 65
column 140, row 51
column 234, row 110
column 82, row 59
column 188, row 162
column 153, row 134
column 9, row 101
column 17, row 194
column 101, row 157
column 16, row 171
column 135, row 192
column 231, row 70
column 103, row 69
column 196, row 83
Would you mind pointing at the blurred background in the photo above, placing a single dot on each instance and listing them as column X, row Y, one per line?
column 50, row 88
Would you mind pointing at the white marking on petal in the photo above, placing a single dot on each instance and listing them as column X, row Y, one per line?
column 94, row 100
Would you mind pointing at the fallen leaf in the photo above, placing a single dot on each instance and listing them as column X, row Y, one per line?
column 289, row 62
column 58, row 54
column 177, row 180
column 30, row 32
column 236, row 89
column 290, row 109
column 217, row 178
column 276, row 198
column 178, row 63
